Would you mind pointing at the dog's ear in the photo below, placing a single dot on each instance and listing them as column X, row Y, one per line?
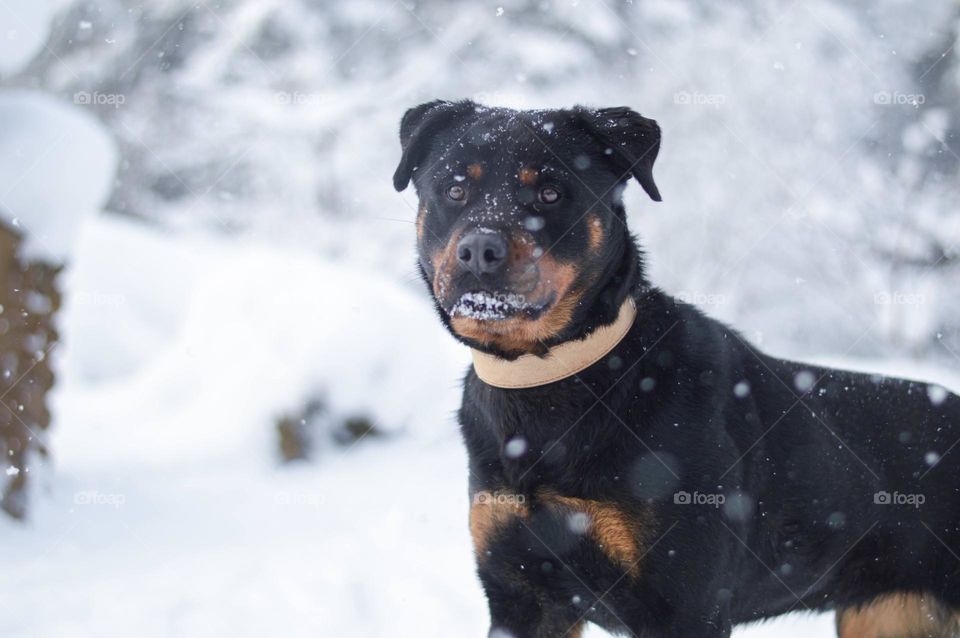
column 632, row 140
column 417, row 127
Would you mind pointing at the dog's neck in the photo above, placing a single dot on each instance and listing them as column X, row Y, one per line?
column 561, row 361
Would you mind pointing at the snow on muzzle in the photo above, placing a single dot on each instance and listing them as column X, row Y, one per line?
column 487, row 306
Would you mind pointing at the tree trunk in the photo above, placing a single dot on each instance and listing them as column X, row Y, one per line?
column 29, row 300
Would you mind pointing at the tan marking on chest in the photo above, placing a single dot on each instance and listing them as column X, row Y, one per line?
column 489, row 513
column 617, row 534
column 898, row 616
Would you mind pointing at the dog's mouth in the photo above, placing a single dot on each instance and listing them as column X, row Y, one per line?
column 513, row 311
column 483, row 305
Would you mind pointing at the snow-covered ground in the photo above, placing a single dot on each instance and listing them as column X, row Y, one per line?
column 165, row 510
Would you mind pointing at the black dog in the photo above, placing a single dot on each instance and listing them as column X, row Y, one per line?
column 634, row 463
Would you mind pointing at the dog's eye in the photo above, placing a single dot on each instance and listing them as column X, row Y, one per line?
column 457, row 193
column 549, row 195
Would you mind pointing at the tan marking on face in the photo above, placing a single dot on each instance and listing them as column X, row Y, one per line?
column 536, row 278
column 528, row 176
column 519, row 334
column 594, row 232
column 615, row 532
column 898, row 616
column 491, row 512
column 475, row 171
column 444, row 266
column 421, row 222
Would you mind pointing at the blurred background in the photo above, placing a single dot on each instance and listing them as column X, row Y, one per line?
column 227, row 403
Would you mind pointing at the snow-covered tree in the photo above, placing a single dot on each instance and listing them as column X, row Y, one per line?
column 816, row 138
column 56, row 167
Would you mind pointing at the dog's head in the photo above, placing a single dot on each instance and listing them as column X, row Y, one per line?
column 520, row 219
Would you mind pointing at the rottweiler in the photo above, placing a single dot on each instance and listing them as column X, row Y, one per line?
column 634, row 463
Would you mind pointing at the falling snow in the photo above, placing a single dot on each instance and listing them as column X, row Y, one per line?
column 578, row 523
column 937, row 393
column 534, row 223
column 516, row 447
column 804, row 381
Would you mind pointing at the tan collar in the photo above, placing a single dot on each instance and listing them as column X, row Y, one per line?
column 560, row 362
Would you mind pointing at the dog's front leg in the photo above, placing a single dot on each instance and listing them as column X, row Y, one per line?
column 691, row 624
column 517, row 612
column 696, row 628
column 648, row 615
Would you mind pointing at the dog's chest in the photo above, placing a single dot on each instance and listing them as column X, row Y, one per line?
column 530, row 458
column 539, row 439
column 543, row 453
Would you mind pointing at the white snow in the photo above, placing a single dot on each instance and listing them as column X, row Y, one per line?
column 219, row 339
column 57, row 166
column 483, row 305
column 24, row 28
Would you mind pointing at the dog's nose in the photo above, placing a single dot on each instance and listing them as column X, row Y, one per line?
column 482, row 253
